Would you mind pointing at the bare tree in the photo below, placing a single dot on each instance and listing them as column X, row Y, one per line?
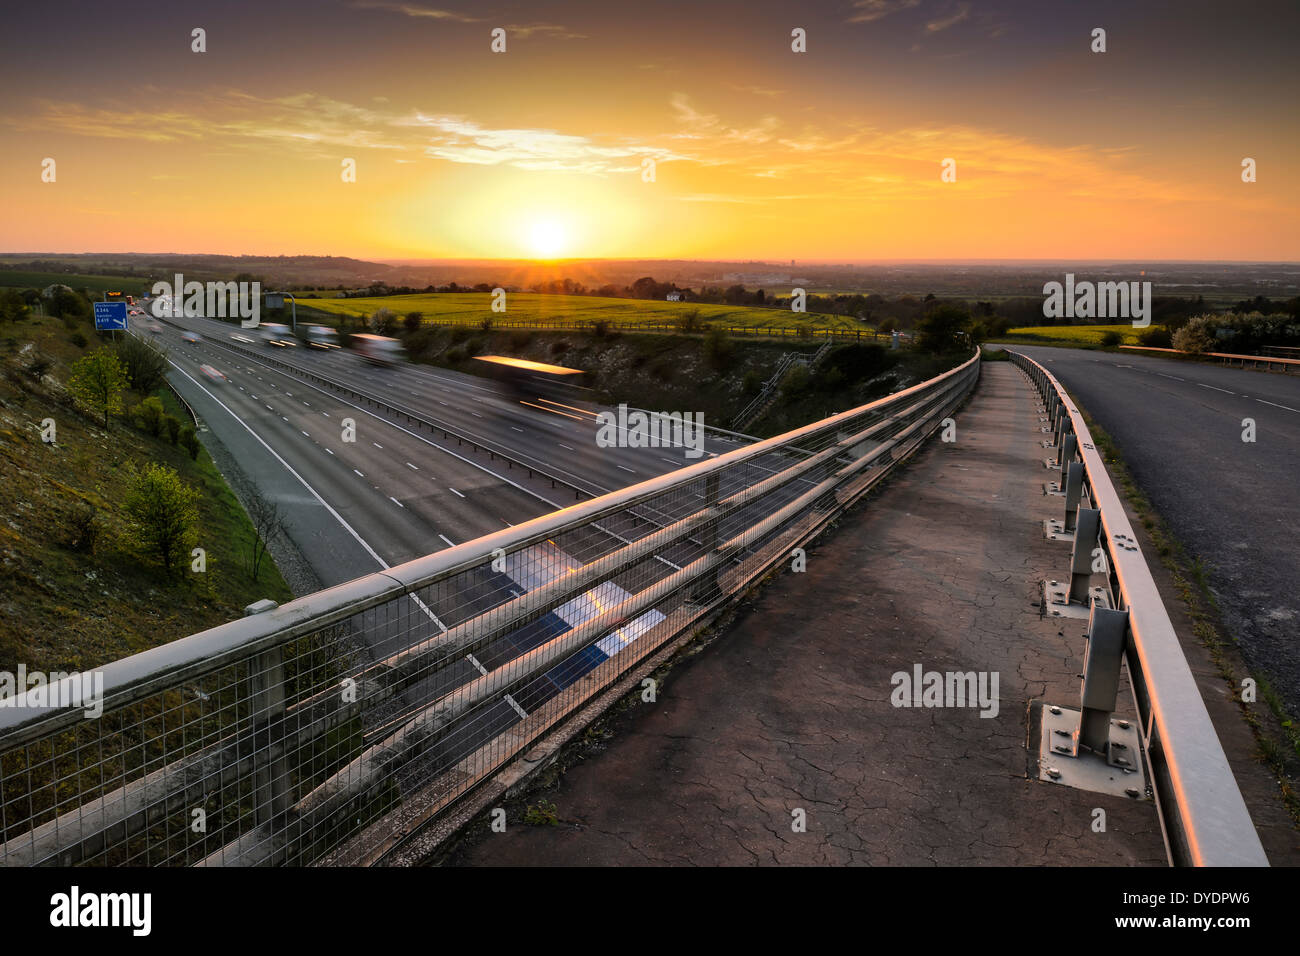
column 269, row 524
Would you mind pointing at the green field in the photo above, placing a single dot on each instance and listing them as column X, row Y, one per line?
column 1086, row 335
column 39, row 280
column 472, row 307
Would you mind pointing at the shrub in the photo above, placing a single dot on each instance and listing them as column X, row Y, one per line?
column 190, row 441
column 38, row 365
column 83, row 529
column 718, row 348
column 886, row 327
column 456, row 355
column 689, row 321
column 1193, row 338
column 163, row 511
column 485, row 325
column 78, row 340
column 413, row 320
column 98, row 381
column 145, row 363
column 796, row 381
column 1156, row 337
column 173, row 428
column 751, row 384
column 149, row 414
column 1111, row 339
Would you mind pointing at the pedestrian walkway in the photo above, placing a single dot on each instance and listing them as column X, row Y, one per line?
column 788, row 716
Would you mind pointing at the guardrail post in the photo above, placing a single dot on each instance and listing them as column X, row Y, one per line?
column 266, row 682
column 1069, row 446
column 1073, row 491
column 707, row 585
column 1107, row 635
column 1085, row 540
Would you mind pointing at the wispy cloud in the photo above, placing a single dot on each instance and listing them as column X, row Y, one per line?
column 415, row 10
column 867, row 11
column 943, row 23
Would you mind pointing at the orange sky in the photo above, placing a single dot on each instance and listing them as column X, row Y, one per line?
column 760, row 152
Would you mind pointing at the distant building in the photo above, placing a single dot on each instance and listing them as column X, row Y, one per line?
column 676, row 297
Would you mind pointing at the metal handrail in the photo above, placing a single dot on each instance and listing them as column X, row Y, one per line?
column 1202, row 810
column 847, row 445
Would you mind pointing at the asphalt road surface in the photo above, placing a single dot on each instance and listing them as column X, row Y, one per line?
column 1232, row 503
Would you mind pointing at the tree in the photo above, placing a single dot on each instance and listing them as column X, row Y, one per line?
column 150, row 414
column 190, row 441
column 269, row 525
column 146, row 363
column 98, row 381
column 13, row 306
column 413, row 320
column 163, row 511
column 938, row 330
column 383, row 321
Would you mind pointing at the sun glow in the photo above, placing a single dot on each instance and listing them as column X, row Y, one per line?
column 548, row 239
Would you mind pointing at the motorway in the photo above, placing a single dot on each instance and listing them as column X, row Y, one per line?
column 1231, row 503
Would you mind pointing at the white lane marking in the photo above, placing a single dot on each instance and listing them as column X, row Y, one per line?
column 669, row 460
column 450, row 543
column 444, row 404
column 1163, row 375
column 314, row 493
column 1275, row 405
column 358, row 473
column 308, row 404
column 326, row 414
column 476, row 414
column 284, row 418
column 455, row 492
column 563, row 445
column 329, row 451
column 269, row 408
column 377, row 445
column 306, row 434
column 520, row 430
column 396, row 502
column 409, row 465
column 1223, row 390
column 627, row 469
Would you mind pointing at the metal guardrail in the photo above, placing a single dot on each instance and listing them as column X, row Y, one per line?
column 1203, row 815
column 1269, row 362
column 334, row 726
column 760, row 331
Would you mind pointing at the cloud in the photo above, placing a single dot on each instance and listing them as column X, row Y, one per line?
column 868, row 11
column 943, row 23
column 415, row 10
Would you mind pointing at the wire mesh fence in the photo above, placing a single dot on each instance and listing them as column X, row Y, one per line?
column 322, row 730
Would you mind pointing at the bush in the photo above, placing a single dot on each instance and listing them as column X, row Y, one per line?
column 413, row 320
column 796, row 381
column 1193, row 338
column 173, row 428
column 98, row 381
column 383, row 322
column 689, row 321
column 886, row 327
column 939, row 330
column 600, row 328
column 163, row 511
column 559, row 347
column 485, row 325
column 145, row 363
column 1111, row 339
column 83, row 529
column 751, row 384
column 149, row 414
column 190, row 441
column 78, row 340
column 38, row 365
column 1156, row 337
column 719, row 350
column 456, row 355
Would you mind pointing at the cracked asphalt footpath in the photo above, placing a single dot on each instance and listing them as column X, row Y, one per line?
column 790, row 708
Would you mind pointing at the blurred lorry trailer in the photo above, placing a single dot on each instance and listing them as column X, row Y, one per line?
column 378, row 349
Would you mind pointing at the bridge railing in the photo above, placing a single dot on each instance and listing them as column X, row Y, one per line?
column 1202, row 812
column 330, row 728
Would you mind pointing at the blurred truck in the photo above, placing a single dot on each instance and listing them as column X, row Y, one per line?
column 378, row 349
column 321, row 337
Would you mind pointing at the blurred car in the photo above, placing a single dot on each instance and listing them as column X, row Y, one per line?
column 191, row 336
column 155, row 328
column 378, row 349
column 212, row 374
column 276, row 334
column 321, row 337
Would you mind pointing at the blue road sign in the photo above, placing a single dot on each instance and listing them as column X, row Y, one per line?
column 110, row 316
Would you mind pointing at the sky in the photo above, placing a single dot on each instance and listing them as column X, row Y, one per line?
column 545, row 150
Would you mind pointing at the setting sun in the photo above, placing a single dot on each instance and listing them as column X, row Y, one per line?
column 548, row 239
